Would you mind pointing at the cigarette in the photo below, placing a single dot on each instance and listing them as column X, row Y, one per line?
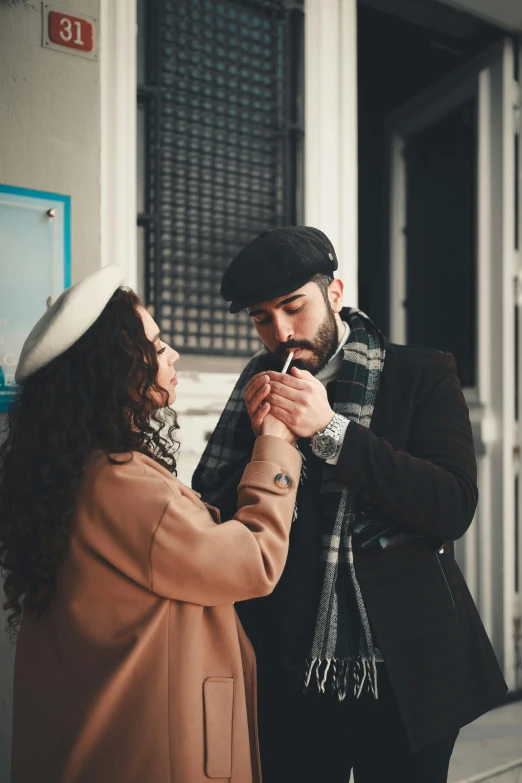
column 288, row 360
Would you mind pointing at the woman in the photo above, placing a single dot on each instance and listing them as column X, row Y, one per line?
column 131, row 664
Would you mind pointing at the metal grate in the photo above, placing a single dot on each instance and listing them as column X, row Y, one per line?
column 222, row 136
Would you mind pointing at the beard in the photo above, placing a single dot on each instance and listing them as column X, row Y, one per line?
column 323, row 345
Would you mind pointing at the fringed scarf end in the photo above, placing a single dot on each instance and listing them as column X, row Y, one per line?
column 358, row 675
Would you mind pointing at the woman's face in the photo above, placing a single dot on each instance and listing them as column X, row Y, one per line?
column 167, row 356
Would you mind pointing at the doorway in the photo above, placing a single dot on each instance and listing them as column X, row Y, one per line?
column 403, row 49
column 438, row 250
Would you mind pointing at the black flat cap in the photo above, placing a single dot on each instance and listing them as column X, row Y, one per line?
column 275, row 263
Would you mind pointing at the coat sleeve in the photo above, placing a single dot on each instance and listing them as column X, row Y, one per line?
column 157, row 531
column 192, row 559
column 432, row 488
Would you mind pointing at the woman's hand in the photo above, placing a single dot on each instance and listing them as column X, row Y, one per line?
column 256, row 390
column 273, row 426
column 263, row 423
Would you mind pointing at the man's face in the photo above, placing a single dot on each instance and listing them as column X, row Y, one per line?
column 301, row 322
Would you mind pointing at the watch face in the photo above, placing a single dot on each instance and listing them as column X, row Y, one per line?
column 324, row 446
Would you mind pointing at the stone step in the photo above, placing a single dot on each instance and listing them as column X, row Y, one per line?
column 507, row 773
column 490, row 748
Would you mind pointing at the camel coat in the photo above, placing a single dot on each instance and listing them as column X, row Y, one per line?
column 139, row 671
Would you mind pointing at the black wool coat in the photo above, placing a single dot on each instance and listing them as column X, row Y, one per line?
column 415, row 466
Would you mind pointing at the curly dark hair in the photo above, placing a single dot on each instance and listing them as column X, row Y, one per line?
column 102, row 393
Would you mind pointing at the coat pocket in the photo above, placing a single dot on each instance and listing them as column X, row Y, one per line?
column 218, row 698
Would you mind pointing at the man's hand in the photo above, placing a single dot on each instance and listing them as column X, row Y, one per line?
column 300, row 401
column 256, row 392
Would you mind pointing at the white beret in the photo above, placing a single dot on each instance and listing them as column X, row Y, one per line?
column 73, row 313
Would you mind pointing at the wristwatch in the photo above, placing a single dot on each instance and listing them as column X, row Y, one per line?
column 326, row 443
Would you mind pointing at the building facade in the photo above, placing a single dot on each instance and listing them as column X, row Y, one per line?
column 392, row 125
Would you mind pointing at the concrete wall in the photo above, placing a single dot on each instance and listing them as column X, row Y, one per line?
column 205, row 384
column 50, row 122
column 49, row 140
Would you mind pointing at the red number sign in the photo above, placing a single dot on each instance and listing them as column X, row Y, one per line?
column 71, row 31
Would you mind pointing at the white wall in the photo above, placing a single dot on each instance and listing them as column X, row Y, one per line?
column 49, row 140
column 50, row 122
column 201, row 396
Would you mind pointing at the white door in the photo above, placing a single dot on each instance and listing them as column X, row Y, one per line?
column 453, row 284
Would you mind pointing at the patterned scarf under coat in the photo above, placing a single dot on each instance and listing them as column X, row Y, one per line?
column 342, row 654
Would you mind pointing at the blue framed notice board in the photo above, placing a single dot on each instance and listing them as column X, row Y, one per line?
column 35, row 262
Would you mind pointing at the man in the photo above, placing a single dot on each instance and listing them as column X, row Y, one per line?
column 371, row 653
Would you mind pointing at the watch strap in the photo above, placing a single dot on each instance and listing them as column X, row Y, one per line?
column 342, row 426
column 335, row 426
column 335, row 430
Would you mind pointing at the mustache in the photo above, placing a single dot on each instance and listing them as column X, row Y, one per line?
column 291, row 344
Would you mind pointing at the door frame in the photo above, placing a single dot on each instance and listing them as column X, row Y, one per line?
column 486, row 551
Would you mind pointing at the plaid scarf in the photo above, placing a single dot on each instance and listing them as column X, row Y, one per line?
column 329, row 631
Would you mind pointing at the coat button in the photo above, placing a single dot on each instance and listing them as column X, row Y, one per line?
column 282, row 480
